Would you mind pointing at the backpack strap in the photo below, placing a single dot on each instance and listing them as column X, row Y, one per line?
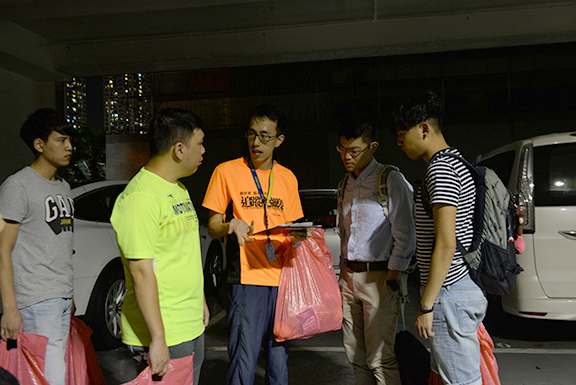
column 404, row 299
column 382, row 187
column 341, row 188
column 473, row 171
column 426, row 197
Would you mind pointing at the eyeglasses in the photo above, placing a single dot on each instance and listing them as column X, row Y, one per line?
column 264, row 138
column 354, row 153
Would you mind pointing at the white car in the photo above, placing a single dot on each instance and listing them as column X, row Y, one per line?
column 541, row 175
column 99, row 284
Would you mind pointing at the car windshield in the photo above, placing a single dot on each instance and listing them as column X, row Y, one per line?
column 97, row 205
column 319, row 208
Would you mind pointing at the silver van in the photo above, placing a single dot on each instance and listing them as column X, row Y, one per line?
column 541, row 174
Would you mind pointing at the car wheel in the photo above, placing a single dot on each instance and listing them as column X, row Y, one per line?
column 105, row 308
column 214, row 273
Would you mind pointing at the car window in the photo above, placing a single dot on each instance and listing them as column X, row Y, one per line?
column 97, row 205
column 319, row 208
column 501, row 164
column 555, row 175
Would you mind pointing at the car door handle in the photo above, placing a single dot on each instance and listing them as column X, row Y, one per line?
column 568, row 234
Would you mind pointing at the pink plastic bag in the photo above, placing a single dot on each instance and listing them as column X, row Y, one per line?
column 309, row 300
column 82, row 367
column 26, row 360
column 488, row 364
column 180, row 372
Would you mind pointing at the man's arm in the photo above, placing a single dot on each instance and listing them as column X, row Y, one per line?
column 402, row 226
column 217, row 228
column 146, row 293
column 11, row 322
column 442, row 255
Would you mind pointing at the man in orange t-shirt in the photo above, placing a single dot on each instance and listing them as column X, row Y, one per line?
column 264, row 194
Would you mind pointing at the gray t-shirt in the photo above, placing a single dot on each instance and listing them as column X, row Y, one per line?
column 42, row 255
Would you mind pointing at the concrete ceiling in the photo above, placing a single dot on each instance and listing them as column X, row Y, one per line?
column 56, row 39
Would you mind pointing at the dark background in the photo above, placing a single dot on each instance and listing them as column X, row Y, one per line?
column 492, row 97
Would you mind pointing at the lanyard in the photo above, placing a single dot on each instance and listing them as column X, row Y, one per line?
column 266, row 200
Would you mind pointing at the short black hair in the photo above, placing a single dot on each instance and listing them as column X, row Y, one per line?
column 170, row 126
column 417, row 110
column 354, row 127
column 40, row 124
column 273, row 112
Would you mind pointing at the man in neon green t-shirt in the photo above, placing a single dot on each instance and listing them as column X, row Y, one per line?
column 164, row 312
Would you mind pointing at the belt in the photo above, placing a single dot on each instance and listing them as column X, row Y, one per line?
column 359, row 267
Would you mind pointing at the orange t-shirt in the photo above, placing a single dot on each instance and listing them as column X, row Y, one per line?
column 233, row 181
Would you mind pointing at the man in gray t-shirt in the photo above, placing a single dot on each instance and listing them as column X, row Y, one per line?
column 36, row 277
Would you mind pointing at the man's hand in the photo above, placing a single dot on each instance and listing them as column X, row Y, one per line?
column 301, row 235
column 11, row 324
column 159, row 357
column 2, row 223
column 393, row 276
column 242, row 230
column 423, row 325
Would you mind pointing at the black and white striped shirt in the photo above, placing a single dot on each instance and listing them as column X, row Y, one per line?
column 447, row 181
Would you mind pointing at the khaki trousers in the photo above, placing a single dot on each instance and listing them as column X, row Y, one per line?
column 369, row 326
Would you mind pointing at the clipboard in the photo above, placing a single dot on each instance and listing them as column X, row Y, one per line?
column 285, row 229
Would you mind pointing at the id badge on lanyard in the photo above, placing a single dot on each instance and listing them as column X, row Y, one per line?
column 270, row 252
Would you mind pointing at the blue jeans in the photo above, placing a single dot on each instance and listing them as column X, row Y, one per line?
column 51, row 319
column 250, row 327
column 458, row 311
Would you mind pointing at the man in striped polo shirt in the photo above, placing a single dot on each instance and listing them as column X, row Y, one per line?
column 452, row 306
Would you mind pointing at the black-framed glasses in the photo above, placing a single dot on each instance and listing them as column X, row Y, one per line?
column 264, row 138
column 354, row 152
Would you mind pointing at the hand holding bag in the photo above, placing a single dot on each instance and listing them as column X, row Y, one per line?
column 82, row 367
column 180, row 372
column 26, row 360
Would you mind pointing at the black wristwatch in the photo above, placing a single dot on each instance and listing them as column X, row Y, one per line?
column 425, row 311
column 394, row 285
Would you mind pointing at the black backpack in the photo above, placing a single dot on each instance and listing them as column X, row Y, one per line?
column 6, row 378
column 492, row 255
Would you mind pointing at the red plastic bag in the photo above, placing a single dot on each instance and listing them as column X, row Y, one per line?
column 82, row 367
column 435, row 379
column 309, row 300
column 180, row 372
column 26, row 360
column 488, row 364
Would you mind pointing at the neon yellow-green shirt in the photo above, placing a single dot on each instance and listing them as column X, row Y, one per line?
column 155, row 219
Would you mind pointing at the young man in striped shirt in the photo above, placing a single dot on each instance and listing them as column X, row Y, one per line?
column 452, row 306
